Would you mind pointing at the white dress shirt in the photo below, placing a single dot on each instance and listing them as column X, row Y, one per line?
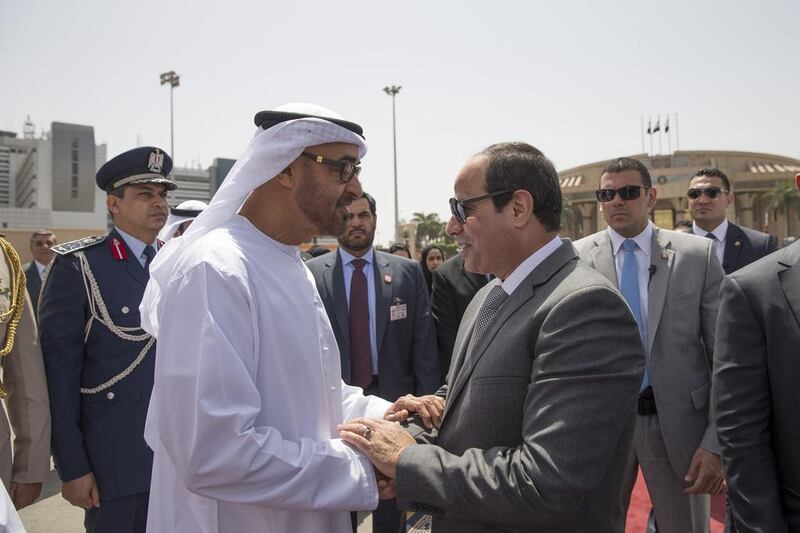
column 519, row 274
column 720, row 232
column 40, row 268
column 643, row 245
column 347, row 272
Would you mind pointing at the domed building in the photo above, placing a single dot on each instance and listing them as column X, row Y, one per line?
column 751, row 174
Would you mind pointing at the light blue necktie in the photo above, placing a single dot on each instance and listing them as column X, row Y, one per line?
column 629, row 286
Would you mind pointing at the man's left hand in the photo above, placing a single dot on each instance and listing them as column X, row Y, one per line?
column 24, row 494
column 382, row 443
column 705, row 473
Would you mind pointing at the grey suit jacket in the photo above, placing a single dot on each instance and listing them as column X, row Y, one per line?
column 755, row 392
column 683, row 301
column 537, row 425
column 407, row 358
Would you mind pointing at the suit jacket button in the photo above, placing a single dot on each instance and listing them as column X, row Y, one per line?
column 110, row 396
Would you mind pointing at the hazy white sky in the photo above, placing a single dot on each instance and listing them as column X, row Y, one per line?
column 570, row 77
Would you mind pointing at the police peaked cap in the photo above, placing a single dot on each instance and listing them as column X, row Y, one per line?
column 146, row 164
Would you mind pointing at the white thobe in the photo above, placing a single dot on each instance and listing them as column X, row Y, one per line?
column 247, row 396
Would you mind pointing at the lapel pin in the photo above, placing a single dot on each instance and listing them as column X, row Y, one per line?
column 387, row 278
column 737, row 243
column 664, row 255
column 118, row 250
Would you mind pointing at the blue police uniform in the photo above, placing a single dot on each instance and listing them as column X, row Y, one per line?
column 99, row 362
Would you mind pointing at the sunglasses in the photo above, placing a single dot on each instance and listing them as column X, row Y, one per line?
column 458, row 208
column 711, row 192
column 629, row 192
column 347, row 169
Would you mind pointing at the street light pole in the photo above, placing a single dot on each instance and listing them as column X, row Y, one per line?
column 393, row 90
column 174, row 81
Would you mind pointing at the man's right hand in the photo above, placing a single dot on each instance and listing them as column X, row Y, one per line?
column 82, row 492
column 429, row 408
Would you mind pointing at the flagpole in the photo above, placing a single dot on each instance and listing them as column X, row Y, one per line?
column 660, row 149
column 677, row 134
column 650, row 132
column 669, row 141
column 641, row 121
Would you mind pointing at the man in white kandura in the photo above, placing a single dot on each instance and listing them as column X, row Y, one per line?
column 248, row 389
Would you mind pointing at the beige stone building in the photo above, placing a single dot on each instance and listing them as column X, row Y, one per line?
column 752, row 174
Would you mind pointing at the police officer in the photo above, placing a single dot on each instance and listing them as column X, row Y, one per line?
column 99, row 362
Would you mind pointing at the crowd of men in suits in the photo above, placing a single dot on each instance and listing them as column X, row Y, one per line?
column 545, row 374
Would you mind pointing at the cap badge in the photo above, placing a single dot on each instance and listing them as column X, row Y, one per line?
column 156, row 161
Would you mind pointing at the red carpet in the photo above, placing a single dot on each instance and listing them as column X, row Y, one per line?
column 639, row 510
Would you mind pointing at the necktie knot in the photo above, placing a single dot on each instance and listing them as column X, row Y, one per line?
column 629, row 245
column 358, row 264
column 711, row 236
column 496, row 297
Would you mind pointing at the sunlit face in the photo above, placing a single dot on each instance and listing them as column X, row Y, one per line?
column 41, row 248
column 360, row 231
column 628, row 218
column 320, row 193
column 143, row 207
column 434, row 259
column 708, row 212
column 484, row 238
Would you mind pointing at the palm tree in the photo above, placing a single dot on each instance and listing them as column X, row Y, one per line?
column 781, row 199
column 567, row 215
column 430, row 228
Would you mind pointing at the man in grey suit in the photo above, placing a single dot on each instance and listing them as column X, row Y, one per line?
column 41, row 243
column 537, row 421
column 709, row 195
column 387, row 343
column 754, row 393
column 671, row 282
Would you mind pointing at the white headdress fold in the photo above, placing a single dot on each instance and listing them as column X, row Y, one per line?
column 174, row 221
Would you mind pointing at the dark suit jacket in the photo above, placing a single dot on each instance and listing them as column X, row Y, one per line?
column 453, row 290
column 101, row 433
column 745, row 245
column 34, row 284
column 755, row 392
column 538, row 420
column 407, row 358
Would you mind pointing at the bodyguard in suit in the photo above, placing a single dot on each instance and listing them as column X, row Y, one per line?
column 42, row 242
column 379, row 309
column 23, row 389
column 537, row 421
column 99, row 361
column 709, row 196
column 671, row 282
column 453, row 290
column 756, row 372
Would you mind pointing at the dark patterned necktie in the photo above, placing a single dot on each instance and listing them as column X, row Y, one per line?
column 360, row 352
column 486, row 315
column 150, row 252
column 711, row 236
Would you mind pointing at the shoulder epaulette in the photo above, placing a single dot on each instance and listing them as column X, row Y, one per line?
column 73, row 246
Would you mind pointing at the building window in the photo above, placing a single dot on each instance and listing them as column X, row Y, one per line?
column 664, row 218
column 74, row 180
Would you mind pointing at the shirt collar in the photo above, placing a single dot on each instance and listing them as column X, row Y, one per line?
column 135, row 245
column 719, row 232
column 643, row 240
column 40, row 267
column 526, row 267
column 347, row 257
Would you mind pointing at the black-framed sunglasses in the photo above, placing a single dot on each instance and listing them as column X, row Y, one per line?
column 629, row 192
column 347, row 169
column 459, row 207
column 711, row 192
